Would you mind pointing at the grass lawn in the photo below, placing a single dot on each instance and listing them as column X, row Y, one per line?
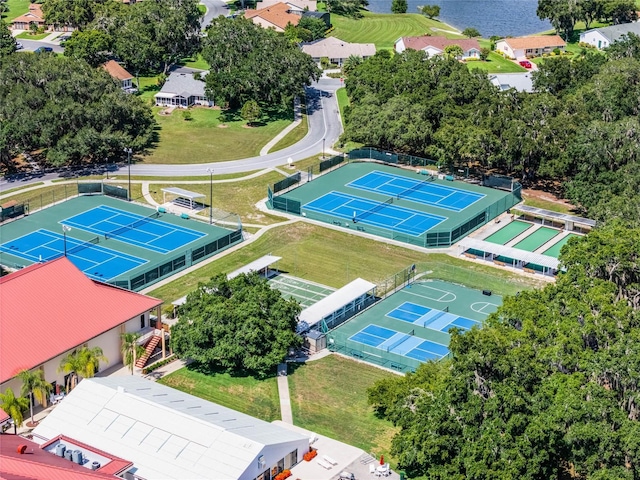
column 548, row 205
column 17, row 189
column 295, row 135
column 238, row 197
column 496, row 64
column 197, row 61
column 15, row 8
column 335, row 258
column 225, row 176
column 148, row 87
column 383, row 29
column 209, row 137
column 258, row 398
column 30, row 36
column 329, row 397
column 343, row 101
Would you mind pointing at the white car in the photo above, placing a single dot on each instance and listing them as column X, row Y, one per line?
column 19, row 46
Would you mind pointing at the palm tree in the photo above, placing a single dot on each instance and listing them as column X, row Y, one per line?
column 14, row 406
column 34, row 386
column 130, row 349
column 81, row 363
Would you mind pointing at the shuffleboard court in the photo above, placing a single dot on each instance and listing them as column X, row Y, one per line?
column 554, row 250
column 95, row 261
column 138, row 230
column 419, row 191
column 508, row 232
column 370, row 212
column 537, row 238
column 305, row 292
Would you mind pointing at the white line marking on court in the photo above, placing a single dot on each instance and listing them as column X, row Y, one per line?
column 442, row 298
column 483, row 305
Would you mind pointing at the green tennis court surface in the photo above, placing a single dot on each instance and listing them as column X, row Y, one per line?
column 508, row 232
column 554, row 251
column 305, row 292
column 416, row 319
column 538, row 238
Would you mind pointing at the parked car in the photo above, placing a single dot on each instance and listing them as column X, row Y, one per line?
column 19, row 46
column 43, row 49
column 525, row 63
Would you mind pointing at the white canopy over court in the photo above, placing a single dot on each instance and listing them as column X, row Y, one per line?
column 181, row 193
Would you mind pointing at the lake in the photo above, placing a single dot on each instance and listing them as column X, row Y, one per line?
column 490, row 17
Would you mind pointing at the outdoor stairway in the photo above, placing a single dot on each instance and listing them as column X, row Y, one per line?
column 151, row 346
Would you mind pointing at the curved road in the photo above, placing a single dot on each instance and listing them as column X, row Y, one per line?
column 215, row 8
column 324, row 129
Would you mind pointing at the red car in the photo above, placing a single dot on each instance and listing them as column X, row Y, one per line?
column 525, row 63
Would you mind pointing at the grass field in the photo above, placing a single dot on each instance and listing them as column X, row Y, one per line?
column 30, row 36
column 384, row 29
column 238, row 197
column 329, row 397
column 209, row 137
column 334, row 258
column 15, row 8
column 295, row 135
column 343, row 100
column 258, row 398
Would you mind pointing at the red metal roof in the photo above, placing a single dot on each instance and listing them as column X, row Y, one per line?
column 4, row 416
column 50, row 308
column 38, row 464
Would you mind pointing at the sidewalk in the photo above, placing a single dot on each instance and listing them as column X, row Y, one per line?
column 297, row 116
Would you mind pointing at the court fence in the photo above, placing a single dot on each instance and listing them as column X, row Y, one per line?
column 88, row 188
column 390, row 157
column 53, row 196
column 12, row 210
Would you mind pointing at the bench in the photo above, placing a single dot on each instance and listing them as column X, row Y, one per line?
column 470, row 255
column 162, row 210
column 330, row 460
column 324, row 464
column 529, row 270
column 498, row 262
column 185, row 216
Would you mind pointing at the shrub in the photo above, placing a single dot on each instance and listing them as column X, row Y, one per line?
column 282, row 475
column 161, row 363
column 556, row 51
column 310, row 455
column 186, row 115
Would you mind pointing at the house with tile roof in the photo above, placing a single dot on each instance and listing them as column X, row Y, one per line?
column 336, row 50
column 33, row 17
column 48, row 310
column 276, row 16
column 294, row 5
column 119, row 74
column 604, row 36
column 436, row 45
column 529, row 47
column 183, row 90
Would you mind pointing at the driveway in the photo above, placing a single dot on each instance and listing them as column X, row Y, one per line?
column 215, row 8
column 31, row 45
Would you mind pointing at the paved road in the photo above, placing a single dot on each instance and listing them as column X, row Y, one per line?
column 215, row 8
column 324, row 129
column 31, row 45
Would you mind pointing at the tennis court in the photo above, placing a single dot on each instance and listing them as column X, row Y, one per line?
column 95, row 261
column 412, row 325
column 112, row 240
column 369, row 212
column 508, row 232
column 421, row 191
column 305, row 292
column 128, row 227
column 537, row 239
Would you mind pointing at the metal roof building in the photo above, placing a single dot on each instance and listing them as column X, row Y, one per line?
column 169, row 434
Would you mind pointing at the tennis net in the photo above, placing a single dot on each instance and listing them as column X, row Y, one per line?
column 415, row 187
column 398, row 342
column 131, row 226
column 375, row 209
column 83, row 245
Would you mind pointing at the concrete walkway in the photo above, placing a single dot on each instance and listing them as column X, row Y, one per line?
column 283, row 392
column 297, row 119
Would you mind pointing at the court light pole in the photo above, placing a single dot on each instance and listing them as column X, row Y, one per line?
column 210, row 170
column 128, row 152
column 323, row 148
column 65, row 229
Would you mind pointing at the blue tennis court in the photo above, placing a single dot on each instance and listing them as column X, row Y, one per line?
column 399, row 343
column 419, row 191
column 430, row 318
column 370, row 212
column 96, row 262
column 138, row 230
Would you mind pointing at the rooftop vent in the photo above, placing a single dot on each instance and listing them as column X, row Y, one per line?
column 60, row 448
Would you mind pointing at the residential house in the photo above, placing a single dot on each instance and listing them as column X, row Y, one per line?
column 120, row 75
column 522, row 82
column 337, row 51
column 294, row 5
column 436, row 45
column 183, row 89
column 276, row 16
column 529, row 47
column 168, row 434
column 48, row 310
column 605, row 36
column 33, row 17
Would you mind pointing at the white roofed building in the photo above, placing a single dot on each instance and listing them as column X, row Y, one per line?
column 337, row 51
column 183, row 89
column 169, row 434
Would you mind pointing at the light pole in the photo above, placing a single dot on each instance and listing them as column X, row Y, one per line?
column 210, row 170
column 65, row 229
column 128, row 152
column 323, row 148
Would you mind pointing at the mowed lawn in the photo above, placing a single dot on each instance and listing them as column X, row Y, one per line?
column 329, row 397
column 16, row 8
column 384, row 29
column 258, row 398
column 207, row 137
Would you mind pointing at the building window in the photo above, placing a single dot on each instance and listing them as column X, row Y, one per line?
column 291, row 459
column 142, row 325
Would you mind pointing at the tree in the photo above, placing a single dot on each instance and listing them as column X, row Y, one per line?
column 250, row 111
column 619, row 11
column 347, row 8
column 563, row 15
column 249, row 62
column 430, row 11
column 81, row 363
column 627, row 46
column 399, row 6
column 7, row 42
column 351, row 63
column 315, row 26
column 471, row 32
column 590, row 10
column 453, row 51
column 92, row 46
column 34, row 386
column 484, row 53
column 14, row 407
column 240, row 325
column 130, row 349
column 72, row 13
